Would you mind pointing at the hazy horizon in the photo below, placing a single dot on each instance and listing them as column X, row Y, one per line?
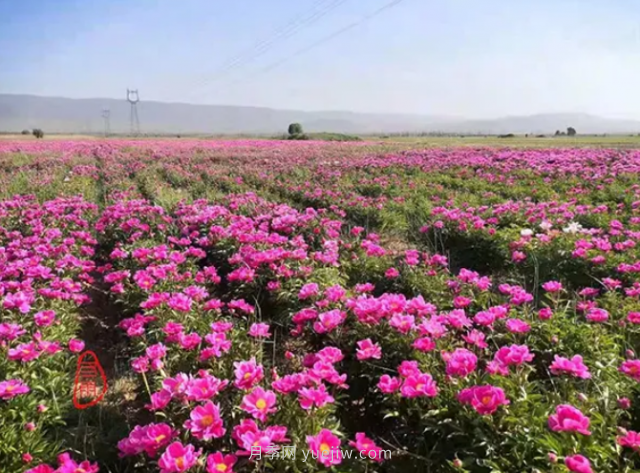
column 455, row 59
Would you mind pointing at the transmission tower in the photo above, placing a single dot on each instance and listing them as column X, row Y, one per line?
column 133, row 98
column 106, row 115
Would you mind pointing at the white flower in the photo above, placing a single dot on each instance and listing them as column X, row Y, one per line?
column 573, row 227
column 526, row 232
column 546, row 225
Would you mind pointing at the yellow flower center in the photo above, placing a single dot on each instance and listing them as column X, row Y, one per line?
column 261, row 404
column 207, row 421
column 419, row 387
column 325, row 449
column 247, row 375
column 10, row 388
column 160, row 438
column 221, row 467
column 180, row 462
column 486, row 400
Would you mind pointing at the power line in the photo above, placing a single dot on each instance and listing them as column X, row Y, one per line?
column 326, row 39
column 281, row 34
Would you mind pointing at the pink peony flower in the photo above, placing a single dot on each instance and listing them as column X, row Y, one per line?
column 259, row 403
column 573, row 367
column 178, row 458
column 418, row 386
column 388, row 385
column 552, row 286
column 67, row 465
column 220, row 463
column 319, row 397
column 578, row 464
column 248, row 374
column 461, row 363
column 44, row 318
column 517, row 326
column 12, row 388
column 367, row 349
column 325, row 447
column 597, row 315
column 631, row 368
column 205, row 422
column 630, row 439
column 484, row 399
column 367, row 447
column 545, row 313
column 569, row 419
column 309, row 290
column 259, row 330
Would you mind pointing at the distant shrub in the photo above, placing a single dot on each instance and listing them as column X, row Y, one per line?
column 38, row 133
column 335, row 137
column 26, row 132
column 508, row 135
column 295, row 129
column 298, row 136
column 571, row 131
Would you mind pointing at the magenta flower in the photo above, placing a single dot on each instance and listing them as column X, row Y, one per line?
column 424, row 344
column 12, row 388
column 309, row 290
column 552, row 286
column 259, row 330
column 517, row 326
column 367, row 447
column 418, row 386
column 630, row 439
column 318, row 397
column 325, row 447
column 545, row 313
column 578, row 464
column 25, row 352
column 220, row 463
column 484, row 399
column 44, row 318
column 248, row 374
column 178, row 458
column 44, row 468
column 328, row 321
column 259, row 403
column 597, row 315
column 569, row 419
column 631, row 368
column 388, row 385
column 367, row 349
column 205, row 422
column 573, row 367
column 67, row 465
column 461, row 363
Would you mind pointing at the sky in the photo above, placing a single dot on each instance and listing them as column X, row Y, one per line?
column 458, row 58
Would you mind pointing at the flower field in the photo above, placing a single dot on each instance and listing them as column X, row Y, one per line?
column 438, row 310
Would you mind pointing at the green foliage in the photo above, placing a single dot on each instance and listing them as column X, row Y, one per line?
column 295, row 129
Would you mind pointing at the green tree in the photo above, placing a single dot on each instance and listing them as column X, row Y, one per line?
column 38, row 133
column 571, row 131
column 295, row 129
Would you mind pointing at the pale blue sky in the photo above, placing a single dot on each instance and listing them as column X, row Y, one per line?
column 466, row 58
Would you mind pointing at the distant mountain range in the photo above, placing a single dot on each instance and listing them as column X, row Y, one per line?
column 63, row 115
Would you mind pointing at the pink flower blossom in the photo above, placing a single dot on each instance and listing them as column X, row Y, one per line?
column 318, row 397
column 367, row 349
column 569, row 419
column 578, row 464
column 461, row 363
column 220, row 463
column 418, row 386
column 367, row 447
column 248, row 374
column 573, row 367
column 205, row 422
column 484, row 399
column 178, row 458
column 259, row 330
column 325, row 447
column 259, row 403
column 389, row 385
